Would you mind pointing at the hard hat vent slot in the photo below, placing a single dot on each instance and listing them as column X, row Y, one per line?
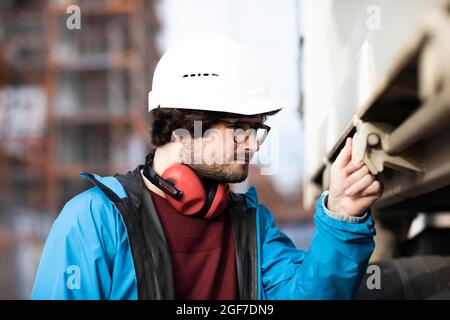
column 200, row 75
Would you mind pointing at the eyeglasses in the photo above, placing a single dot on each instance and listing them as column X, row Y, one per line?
column 242, row 131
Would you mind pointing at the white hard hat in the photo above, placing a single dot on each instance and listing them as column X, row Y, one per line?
column 210, row 72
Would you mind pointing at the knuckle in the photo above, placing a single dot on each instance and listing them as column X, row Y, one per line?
column 347, row 181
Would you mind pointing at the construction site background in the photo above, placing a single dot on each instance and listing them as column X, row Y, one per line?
column 75, row 100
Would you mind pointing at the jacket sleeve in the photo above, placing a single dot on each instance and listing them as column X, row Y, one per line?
column 333, row 266
column 79, row 254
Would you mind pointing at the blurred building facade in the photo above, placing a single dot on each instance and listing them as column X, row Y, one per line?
column 71, row 100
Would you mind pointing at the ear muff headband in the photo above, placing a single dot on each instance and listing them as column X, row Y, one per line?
column 164, row 185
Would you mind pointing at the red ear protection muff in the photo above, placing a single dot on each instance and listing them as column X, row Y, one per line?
column 188, row 194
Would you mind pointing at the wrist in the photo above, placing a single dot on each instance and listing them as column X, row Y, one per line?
column 335, row 206
column 341, row 217
column 330, row 204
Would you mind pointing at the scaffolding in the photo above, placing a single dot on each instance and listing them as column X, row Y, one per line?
column 71, row 100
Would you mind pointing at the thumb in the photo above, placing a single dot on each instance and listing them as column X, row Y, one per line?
column 345, row 156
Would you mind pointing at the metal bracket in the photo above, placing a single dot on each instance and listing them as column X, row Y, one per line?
column 369, row 145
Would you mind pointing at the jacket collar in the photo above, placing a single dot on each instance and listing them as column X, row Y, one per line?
column 134, row 185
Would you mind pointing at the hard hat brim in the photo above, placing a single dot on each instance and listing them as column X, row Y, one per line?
column 254, row 108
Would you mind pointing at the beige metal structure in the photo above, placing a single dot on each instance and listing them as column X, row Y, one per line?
column 402, row 129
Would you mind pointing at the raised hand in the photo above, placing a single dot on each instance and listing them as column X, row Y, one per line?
column 353, row 189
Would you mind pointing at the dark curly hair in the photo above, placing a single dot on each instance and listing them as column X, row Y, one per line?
column 164, row 121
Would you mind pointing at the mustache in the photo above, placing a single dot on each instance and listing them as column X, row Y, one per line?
column 247, row 156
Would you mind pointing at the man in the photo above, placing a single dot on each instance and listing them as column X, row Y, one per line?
column 171, row 229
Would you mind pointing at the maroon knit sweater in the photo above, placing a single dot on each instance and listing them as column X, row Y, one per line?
column 202, row 252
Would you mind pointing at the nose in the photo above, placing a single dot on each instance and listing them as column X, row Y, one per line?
column 251, row 143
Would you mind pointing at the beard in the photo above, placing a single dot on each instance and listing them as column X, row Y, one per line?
column 232, row 170
column 223, row 173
